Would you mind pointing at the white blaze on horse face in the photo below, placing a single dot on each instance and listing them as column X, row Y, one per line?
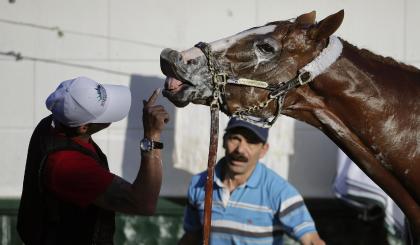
column 190, row 54
column 225, row 43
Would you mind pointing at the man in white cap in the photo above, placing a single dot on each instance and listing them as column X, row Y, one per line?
column 69, row 196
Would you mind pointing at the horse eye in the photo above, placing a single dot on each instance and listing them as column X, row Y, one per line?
column 265, row 48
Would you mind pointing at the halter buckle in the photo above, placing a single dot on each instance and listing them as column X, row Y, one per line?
column 305, row 77
column 223, row 76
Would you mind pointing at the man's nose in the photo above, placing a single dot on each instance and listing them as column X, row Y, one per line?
column 241, row 147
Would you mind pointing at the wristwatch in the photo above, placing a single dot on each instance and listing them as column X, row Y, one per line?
column 147, row 145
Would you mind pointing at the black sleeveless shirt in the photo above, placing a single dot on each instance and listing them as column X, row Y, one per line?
column 47, row 220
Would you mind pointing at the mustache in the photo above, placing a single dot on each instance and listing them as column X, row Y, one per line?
column 237, row 157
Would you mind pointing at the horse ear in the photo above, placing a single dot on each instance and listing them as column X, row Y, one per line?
column 327, row 26
column 308, row 18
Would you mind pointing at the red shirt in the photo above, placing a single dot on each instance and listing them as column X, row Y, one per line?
column 76, row 177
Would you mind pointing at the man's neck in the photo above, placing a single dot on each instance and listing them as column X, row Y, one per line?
column 80, row 138
column 83, row 138
column 231, row 180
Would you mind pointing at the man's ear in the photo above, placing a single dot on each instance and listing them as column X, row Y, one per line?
column 327, row 26
column 224, row 140
column 83, row 129
column 264, row 150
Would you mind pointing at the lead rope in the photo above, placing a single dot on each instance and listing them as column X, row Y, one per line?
column 214, row 136
column 219, row 81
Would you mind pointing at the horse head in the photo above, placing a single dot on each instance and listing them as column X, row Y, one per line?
column 250, row 70
column 355, row 97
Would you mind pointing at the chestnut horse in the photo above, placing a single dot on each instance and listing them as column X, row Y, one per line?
column 367, row 104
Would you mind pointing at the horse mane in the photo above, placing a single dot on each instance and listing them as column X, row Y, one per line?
column 385, row 60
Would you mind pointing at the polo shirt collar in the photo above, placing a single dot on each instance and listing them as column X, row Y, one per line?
column 252, row 181
column 255, row 177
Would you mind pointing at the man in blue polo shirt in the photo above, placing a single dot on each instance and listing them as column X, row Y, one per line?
column 251, row 203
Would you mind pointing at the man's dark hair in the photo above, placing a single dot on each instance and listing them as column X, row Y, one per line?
column 68, row 131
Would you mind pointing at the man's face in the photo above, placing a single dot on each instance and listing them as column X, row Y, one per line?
column 242, row 151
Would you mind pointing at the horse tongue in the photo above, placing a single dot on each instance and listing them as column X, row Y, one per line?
column 172, row 84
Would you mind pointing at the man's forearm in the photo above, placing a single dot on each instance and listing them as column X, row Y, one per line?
column 139, row 197
column 149, row 181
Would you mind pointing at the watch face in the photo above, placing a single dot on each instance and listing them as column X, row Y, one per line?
column 145, row 145
column 148, row 145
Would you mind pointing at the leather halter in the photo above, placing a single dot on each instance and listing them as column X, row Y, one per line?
column 277, row 92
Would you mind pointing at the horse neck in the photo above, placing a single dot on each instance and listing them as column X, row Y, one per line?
column 358, row 79
column 360, row 94
column 359, row 74
column 382, row 68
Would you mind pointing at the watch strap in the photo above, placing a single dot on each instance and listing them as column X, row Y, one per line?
column 157, row 145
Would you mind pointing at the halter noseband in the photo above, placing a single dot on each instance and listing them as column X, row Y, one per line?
column 277, row 92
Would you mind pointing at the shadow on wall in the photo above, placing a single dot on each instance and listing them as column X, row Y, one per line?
column 141, row 88
column 314, row 152
column 314, row 164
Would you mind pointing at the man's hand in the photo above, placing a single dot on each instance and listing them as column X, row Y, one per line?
column 154, row 117
column 311, row 239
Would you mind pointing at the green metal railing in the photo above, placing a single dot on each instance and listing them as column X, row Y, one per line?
column 163, row 228
column 336, row 223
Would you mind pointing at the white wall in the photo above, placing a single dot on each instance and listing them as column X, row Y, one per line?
column 120, row 41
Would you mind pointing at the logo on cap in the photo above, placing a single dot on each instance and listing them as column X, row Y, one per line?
column 101, row 94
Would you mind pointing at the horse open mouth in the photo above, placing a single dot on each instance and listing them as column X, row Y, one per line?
column 186, row 81
column 175, row 90
column 173, row 85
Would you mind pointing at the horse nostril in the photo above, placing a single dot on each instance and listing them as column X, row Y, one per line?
column 192, row 62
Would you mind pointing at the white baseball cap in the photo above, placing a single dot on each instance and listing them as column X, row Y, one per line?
column 82, row 100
